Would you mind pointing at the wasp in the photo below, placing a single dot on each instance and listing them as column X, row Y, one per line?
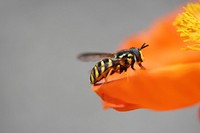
column 111, row 63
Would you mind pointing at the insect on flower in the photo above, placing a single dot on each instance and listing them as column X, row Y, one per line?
column 111, row 63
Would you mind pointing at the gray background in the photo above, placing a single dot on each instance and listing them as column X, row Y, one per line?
column 44, row 89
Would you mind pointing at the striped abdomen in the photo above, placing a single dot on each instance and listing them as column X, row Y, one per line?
column 101, row 70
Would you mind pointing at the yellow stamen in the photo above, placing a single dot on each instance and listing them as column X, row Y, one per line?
column 188, row 24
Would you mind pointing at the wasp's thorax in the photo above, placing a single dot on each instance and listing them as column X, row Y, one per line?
column 138, row 56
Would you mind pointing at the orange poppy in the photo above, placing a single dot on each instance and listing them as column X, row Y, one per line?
column 170, row 81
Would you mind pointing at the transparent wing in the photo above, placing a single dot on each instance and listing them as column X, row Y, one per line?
column 94, row 56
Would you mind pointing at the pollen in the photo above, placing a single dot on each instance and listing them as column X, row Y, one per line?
column 188, row 25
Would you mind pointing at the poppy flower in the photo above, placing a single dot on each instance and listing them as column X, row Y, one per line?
column 171, row 78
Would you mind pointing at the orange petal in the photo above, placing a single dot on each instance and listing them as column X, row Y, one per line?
column 167, row 88
column 119, row 106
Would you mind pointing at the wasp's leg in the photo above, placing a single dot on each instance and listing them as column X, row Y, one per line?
column 124, row 69
column 141, row 66
column 118, row 69
column 132, row 65
column 109, row 73
column 126, row 73
column 121, row 69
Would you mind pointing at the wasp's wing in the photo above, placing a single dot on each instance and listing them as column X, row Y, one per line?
column 94, row 56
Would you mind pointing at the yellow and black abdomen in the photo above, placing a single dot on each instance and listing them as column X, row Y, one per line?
column 101, row 70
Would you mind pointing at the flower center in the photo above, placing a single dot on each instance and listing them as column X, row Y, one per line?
column 188, row 25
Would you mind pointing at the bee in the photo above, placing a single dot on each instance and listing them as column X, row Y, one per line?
column 111, row 63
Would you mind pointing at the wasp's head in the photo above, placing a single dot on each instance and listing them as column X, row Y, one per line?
column 138, row 53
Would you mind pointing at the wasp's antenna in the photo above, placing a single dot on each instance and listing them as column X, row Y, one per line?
column 144, row 45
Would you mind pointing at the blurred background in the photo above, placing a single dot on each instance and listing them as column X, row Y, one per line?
column 45, row 89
